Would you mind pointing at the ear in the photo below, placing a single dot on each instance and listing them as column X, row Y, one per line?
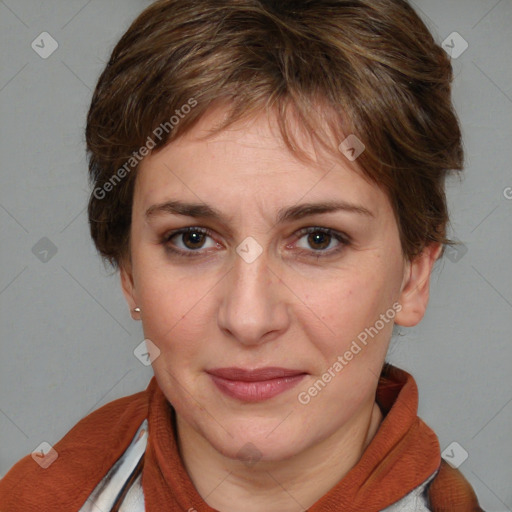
column 416, row 286
column 128, row 287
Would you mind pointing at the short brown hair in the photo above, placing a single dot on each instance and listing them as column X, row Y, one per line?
column 364, row 67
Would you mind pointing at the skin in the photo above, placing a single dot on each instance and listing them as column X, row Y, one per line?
column 286, row 308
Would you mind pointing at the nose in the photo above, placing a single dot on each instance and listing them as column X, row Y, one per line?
column 255, row 305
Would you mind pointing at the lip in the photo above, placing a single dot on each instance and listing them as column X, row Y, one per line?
column 255, row 385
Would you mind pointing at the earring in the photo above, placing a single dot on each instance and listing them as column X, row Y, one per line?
column 136, row 310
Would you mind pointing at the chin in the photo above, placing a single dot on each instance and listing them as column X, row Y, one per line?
column 252, row 443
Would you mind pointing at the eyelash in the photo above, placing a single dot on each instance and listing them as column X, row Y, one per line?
column 340, row 237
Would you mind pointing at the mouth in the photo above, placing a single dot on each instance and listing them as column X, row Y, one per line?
column 255, row 385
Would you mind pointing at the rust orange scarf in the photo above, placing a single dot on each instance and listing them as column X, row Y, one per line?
column 403, row 454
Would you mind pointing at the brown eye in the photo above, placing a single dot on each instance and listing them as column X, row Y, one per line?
column 318, row 239
column 194, row 238
column 187, row 241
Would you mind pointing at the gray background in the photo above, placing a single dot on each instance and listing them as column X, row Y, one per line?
column 67, row 338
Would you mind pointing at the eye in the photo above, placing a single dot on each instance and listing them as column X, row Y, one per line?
column 192, row 239
column 322, row 238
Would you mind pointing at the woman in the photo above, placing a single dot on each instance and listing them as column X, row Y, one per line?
column 268, row 177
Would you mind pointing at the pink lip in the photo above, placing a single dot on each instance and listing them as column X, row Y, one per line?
column 255, row 385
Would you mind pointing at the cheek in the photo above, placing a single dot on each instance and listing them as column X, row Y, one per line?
column 350, row 306
column 175, row 323
column 172, row 309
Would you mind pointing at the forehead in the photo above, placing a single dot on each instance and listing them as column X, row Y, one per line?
column 249, row 160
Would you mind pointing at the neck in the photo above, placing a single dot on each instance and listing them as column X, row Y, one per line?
column 229, row 485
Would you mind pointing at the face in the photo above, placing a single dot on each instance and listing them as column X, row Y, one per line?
column 265, row 283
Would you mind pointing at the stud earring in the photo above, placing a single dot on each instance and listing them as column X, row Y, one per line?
column 136, row 310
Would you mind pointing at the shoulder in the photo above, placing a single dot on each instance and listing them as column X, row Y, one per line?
column 83, row 457
column 451, row 492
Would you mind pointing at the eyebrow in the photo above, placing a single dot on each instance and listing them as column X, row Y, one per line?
column 202, row 210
